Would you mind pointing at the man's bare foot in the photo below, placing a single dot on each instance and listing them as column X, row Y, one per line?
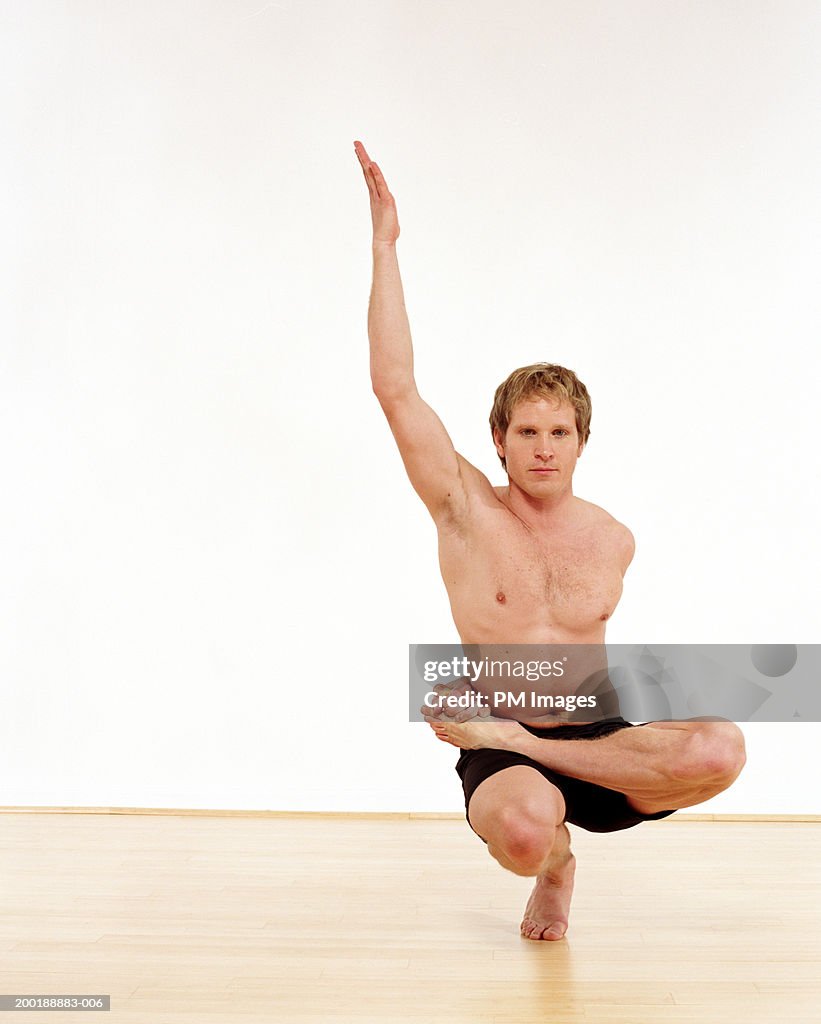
column 549, row 904
column 476, row 734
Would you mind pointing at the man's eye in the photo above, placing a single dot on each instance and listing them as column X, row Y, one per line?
column 562, row 432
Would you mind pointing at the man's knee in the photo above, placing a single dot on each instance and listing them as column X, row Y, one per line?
column 523, row 840
column 715, row 752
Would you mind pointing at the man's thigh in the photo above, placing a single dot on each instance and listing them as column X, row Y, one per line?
column 589, row 806
column 690, row 746
column 515, row 796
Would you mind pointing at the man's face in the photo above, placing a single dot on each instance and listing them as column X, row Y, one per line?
column 541, row 446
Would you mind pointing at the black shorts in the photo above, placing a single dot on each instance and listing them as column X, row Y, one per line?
column 589, row 806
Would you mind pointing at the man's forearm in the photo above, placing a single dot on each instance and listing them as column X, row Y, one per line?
column 388, row 326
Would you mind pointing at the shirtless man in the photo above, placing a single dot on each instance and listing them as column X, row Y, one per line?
column 531, row 563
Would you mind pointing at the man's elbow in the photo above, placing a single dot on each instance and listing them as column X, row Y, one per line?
column 391, row 393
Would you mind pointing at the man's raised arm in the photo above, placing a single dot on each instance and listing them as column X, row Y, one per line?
column 437, row 472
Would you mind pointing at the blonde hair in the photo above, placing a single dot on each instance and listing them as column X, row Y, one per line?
column 542, row 380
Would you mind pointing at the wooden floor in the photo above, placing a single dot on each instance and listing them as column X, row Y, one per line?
column 337, row 919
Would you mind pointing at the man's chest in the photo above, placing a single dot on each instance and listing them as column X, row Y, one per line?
column 564, row 571
column 575, row 577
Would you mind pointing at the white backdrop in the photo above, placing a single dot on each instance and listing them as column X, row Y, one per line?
column 204, row 518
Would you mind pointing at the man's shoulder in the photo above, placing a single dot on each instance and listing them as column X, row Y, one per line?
column 600, row 516
column 614, row 532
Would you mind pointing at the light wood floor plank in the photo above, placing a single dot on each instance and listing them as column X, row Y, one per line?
column 303, row 919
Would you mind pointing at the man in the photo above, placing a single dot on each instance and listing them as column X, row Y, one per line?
column 531, row 563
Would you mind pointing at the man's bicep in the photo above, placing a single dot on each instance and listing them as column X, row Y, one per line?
column 427, row 451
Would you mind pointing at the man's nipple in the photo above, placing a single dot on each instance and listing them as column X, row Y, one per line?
column 500, row 597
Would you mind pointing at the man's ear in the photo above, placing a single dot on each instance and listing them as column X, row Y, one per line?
column 581, row 449
column 499, row 441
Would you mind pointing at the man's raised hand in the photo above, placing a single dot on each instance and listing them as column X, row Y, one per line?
column 383, row 206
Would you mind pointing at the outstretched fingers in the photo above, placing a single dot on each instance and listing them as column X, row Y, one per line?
column 373, row 176
column 365, row 163
column 381, row 184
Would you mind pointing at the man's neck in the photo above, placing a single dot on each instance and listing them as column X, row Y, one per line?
column 542, row 514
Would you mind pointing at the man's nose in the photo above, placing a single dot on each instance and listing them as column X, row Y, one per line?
column 544, row 447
